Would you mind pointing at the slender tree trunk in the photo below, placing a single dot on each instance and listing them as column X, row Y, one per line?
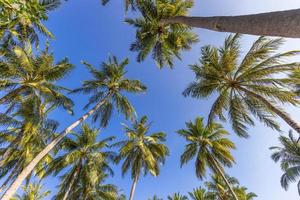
column 4, row 185
column 277, row 111
column 71, row 183
column 29, row 168
column 281, row 23
column 12, row 94
column 220, row 172
column 133, row 187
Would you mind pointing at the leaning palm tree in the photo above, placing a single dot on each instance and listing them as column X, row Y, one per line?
column 142, row 152
column 177, row 196
column 164, row 42
column 107, row 88
column 255, row 85
column 23, row 19
column 289, row 156
column 210, row 147
column 24, row 74
column 32, row 192
column 22, row 139
column 84, row 160
column 269, row 24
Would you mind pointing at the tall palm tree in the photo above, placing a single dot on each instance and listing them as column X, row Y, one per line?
column 268, row 24
column 32, row 192
column 29, row 135
column 106, row 89
column 164, row 42
column 218, row 190
column 142, row 152
column 210, row 147
column 288, row 153
column 200, row 194
column 24, row 74
column 254, row 86
column 22, row 19
column 84, row 162
column 177, row 196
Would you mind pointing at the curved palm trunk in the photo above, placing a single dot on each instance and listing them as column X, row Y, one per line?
column 281, row 23
column 220, row 172
column 277, row 111
column 12, row 94
column 71, row 183
column 29, row 168
column 133, row 187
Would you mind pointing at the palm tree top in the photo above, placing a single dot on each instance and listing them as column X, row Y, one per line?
column 110, row 83
column 163, row 41
column 208, row 144
column 142, row 151
column 252, row 85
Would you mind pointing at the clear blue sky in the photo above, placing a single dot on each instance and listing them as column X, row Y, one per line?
column 85, row 30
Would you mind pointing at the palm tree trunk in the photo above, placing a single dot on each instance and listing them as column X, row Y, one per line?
column 277, row 111
column 4, row 185
column 281, row 23
column 220, row 172
column 133, row 187
column 29, row 168
column 71, row 183
column 13, row 93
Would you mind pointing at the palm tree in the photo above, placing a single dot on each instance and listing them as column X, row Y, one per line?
column 177, row 196
column 32, row 192
column 142, row 152
column 107, row 90
column 24, row 74
column 22, row 19
column 83, row 162
column 165, row 42
column 248, row 88
column 217, row 189
column 210, row 147
column 29, row 135
column 289, row 156
column 200, row 194
column 268, row 24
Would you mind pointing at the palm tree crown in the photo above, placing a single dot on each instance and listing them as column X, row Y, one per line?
column 85, row 163
column 289, row 156
column 32, row 192
column 177, row 196
column 23, row 75
column 250, row 87
column 22, row 19
column 142, row 152
column 109, row 83
column 207, row 144
column 164, row 41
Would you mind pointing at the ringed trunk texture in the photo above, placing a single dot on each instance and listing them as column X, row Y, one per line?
column 283, row 115
column 220, row 171
column 12, row 94
column 280, row 23
column 29, row 168
column 133, row 188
